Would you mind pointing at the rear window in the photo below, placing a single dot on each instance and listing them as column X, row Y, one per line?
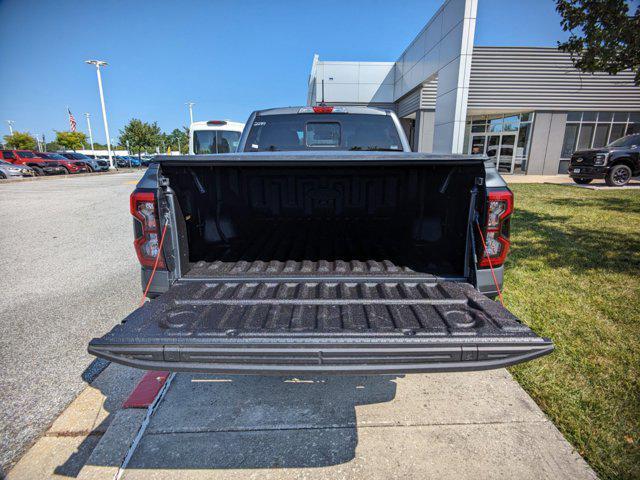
column 215, row 141
column 309, row 131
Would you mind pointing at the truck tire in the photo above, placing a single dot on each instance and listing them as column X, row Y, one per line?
column 583, row 181
column 618, row 176
column 38, row 170
column 65, row 171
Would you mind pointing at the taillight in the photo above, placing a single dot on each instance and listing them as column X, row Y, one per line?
column 499, row 209
column 147, row 242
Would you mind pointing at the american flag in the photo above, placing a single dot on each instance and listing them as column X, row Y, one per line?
column 72, row 121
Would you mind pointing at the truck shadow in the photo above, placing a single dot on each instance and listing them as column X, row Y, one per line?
column 259, row 421
column 245, row 422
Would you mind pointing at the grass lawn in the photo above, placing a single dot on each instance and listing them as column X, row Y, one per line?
column 574, row 276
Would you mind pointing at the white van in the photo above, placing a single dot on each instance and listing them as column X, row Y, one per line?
column 214, row 136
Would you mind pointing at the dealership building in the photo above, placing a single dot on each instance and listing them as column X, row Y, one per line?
column 527, row 108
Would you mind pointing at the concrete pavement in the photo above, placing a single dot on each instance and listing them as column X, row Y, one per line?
column 68, row 272
column 458, row 426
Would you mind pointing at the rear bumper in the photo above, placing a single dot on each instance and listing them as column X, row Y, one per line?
column 587, row 171
column 351, row 355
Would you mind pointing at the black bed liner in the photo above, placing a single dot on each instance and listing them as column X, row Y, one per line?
column 263, row 325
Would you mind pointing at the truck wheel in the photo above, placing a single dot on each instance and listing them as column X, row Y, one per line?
column 583, row 181
column 38, row 170
column 65, row 171
column 618, row 176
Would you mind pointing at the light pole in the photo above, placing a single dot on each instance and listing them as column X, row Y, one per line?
column 179, row 151
column 98, row 64
column 11, row 122
column 190, row 105
column 90, row 134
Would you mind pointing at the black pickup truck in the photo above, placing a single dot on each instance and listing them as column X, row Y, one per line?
column 319, row 260
column 616, row 163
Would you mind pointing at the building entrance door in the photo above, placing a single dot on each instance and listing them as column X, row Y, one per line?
column 499, row 147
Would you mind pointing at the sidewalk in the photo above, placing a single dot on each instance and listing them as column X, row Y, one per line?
column 466, row 425
column 564, row 180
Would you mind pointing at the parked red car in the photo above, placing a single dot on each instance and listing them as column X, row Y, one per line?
column 42, row 166
column 70, row 165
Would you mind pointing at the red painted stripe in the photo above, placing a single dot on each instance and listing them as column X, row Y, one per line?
column 145, row 392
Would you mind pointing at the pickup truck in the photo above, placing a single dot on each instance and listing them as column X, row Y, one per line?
column 325, row 246
column 616, row 163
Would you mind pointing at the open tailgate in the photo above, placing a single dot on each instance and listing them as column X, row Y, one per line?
column 296, row 326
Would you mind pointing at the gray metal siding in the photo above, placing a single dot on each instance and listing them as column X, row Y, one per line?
column 532, row 78
column 409, row 103
column 544, row 78
column 428, row 95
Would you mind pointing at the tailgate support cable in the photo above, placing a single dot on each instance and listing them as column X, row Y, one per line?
column 486, row 253
column 155, row 264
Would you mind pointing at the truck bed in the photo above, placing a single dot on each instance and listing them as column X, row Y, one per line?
column 312, row 248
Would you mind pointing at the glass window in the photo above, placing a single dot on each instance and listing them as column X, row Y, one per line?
column 589, row 116
column 626, row 141
column 495, row 127
column 357, row 132
column 204, row 142
column 25, row 154
column 478, row 128
column 617, row 131
column 477, row 145
column 601, row 136
column 8, row 155
column 605, row 116
column 569, row 143
column 633, row 128
column 574, row 116
column 585, row 136
column 620, row 116
column 227, row 141
column 526, row 117
column 523, row 140
column 323, row 134
column 634, row 117
column 510, row 127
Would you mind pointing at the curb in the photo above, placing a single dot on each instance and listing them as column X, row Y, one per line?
column 111, row 455
column 71, row 175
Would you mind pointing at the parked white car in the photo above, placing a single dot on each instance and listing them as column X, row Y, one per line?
column 214, row 136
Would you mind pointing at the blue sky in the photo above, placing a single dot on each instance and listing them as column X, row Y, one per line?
column 228, row 57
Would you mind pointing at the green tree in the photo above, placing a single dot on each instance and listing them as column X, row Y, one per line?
column 178, row 139
column 605, row 36
column 53, row 147
column 71, row 140
column 142, row 136
column 20, row 141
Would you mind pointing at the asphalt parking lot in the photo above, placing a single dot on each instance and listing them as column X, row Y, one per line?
column 79, row 277
column 67, row 273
